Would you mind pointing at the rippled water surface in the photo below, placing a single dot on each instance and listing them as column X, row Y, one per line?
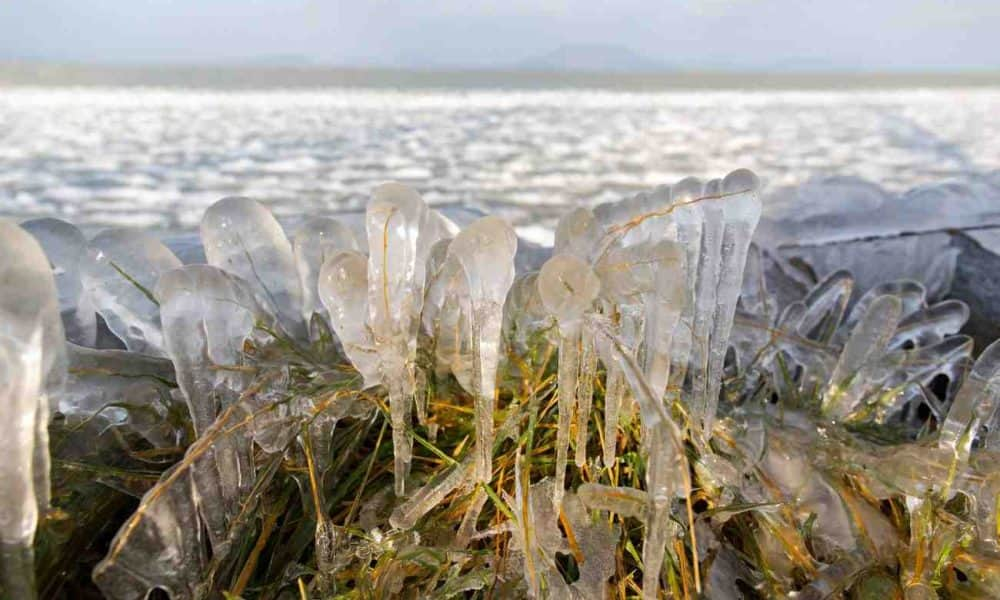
column 159, row 157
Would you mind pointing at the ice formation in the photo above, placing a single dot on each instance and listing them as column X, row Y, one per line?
column 724, row 437
column 32, row 369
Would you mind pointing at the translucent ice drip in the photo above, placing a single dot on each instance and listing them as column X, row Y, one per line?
column 342, row 286
column 313, row 243
column 243, row 238
column 66, row 248
column 32, row 372
column 568, row 288
column 486, row 249
column 120, row 275
column 401, row 233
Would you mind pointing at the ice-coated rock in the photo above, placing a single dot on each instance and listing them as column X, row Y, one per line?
column 119, row 276
column 244, row 239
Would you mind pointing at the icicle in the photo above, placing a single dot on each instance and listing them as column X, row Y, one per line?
column 406, row 515
column 486, row 249
column 705, row 303
column 614, row 392
column 119, row 278
column 243, row 238
column 401, row 233
column 313, row 243
column 741, row 211
column 585, row 394
column 65, row 246
column 974, row 410
column 867, row 343
column 688, row 215
column 32, row 371
column 207, row 316
column 663, row 304
column 343, row 289
column 568, row 288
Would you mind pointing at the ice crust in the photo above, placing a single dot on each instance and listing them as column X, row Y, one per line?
column 657, row 309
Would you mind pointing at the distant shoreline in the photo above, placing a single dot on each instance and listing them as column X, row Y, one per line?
column 45, row 74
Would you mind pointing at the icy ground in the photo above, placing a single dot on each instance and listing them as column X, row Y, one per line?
column 159, row 158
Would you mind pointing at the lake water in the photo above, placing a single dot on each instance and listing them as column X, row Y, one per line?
column 158, row 156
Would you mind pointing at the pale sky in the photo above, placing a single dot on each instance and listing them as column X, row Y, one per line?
column 719, row 34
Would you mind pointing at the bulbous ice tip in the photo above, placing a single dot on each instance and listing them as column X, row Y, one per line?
column 488, row 235
column 740, row 181
column 342, row 275
column 395, row 192
column 687, row 189
column 230, row 212
column 713, row 188
column 567, row 286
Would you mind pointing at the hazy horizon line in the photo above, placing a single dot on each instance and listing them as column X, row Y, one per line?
column 254, row 74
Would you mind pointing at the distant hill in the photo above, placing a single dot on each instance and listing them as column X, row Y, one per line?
column 592, row 57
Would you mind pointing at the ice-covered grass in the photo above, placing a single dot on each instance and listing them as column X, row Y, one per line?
column 640, row 417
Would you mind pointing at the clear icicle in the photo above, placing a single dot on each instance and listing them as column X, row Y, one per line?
column 663, row 305
column 313, row 243
column 486, row 250
column 401, row 233
column 207, row 316
column 614, row 392
column 66, row 248
column 32, row 372
column 741, row 211
column 585, row 394
column 243, row 238
column 690, row 224
column 974, row 410
column 406, row 515
column 867, row 342
column 343, row 289
column 706, row 290
column 568, row 288
column 119, row 278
